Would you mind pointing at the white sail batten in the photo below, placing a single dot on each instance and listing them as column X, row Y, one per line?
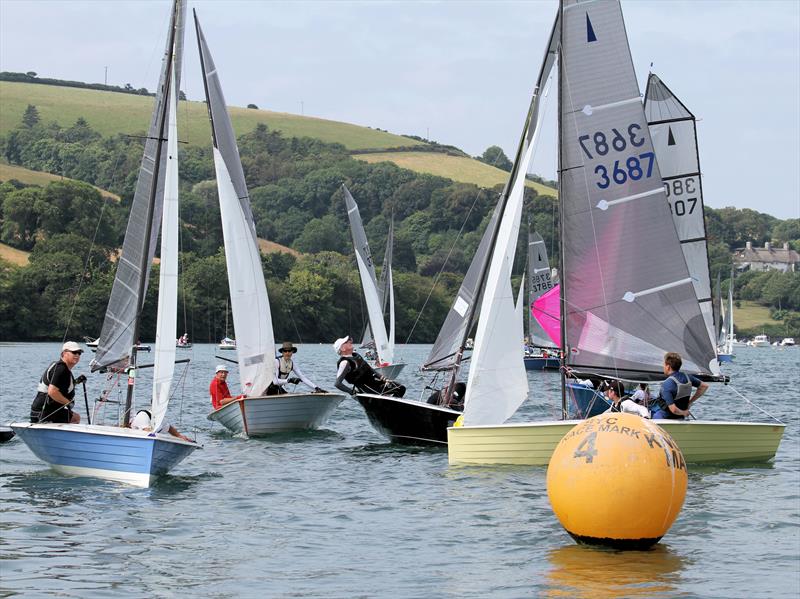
column 497, row 384
column 167, row 319
column 252, row 317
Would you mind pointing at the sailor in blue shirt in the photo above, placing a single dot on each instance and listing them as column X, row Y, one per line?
column 675, row 397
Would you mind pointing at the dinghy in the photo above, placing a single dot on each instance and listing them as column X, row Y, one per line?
column 254, row 413
column 642, row 300
column 119, row 453
column 540, row 353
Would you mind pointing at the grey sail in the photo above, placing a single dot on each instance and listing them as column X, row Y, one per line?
column 718, row 311
column 674, row 134
column 383, row 283
column 116, row 336
column 540, row 281
column 626, row 287
column 448, row 343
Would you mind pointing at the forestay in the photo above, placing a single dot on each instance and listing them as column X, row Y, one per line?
column 366, row 270
column 674, row 133
column 252, row 317
column 626, row 287
column 167, row 321
column 540, row 281
column 116, row 337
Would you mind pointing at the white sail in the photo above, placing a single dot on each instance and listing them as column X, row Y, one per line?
column 167, row 320
column 518, row 310
column 366, row 271
column 729, row 321
column 390, row 290
column 497, row 383
column 252, row 317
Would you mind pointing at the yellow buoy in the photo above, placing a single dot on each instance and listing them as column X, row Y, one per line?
column 617, row 480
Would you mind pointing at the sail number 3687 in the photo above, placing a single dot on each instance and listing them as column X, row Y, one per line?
column 633, row 167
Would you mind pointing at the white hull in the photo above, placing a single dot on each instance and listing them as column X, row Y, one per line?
column 254, row 416
column 532, row 443
column 392, row 371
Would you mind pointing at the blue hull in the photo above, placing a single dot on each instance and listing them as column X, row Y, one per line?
column 106, row 452
column 536, row 363
column 586, row 402
column 725, row 357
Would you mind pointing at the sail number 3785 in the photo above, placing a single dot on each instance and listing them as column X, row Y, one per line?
column 633, row 167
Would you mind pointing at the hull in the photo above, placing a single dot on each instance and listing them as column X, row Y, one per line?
column 407, row 421
column 392, row 371
column 253, row 416
column 108, row 452
column 538, row 363
column 586, row 402
column 725, row 357
column 6, row 434
column 532, row 443
column 224, row 346
column 184, row 346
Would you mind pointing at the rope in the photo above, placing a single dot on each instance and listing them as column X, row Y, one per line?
column 735, row 390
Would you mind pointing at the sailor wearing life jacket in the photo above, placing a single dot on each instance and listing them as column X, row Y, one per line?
column 56, row 389
column 354, row 369
column 284, row 367
column 675, row 397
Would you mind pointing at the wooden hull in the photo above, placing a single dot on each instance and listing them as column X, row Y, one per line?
column 532, row 443
column 124, row 455
column 407, row 421
column 392, row 371
column 253, row 416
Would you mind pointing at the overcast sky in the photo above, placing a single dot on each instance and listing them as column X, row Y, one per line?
column 458, row 72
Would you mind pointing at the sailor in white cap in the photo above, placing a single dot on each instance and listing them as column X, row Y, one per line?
column 56, row 389
column 220, row 394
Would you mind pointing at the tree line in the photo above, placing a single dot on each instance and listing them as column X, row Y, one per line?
column 295, row 188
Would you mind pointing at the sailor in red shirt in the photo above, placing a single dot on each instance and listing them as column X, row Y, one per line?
column 220, row 394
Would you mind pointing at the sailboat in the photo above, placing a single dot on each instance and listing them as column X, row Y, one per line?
column 254, row 413
column 540, row 353
column 376, row 296
column 227, row 343
column 484, row 302
column 727, row 337
column 119, row 453
column 641, row 298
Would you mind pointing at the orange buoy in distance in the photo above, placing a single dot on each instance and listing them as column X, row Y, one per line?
column 617, row 480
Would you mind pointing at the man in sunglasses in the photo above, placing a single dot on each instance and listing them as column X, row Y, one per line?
column 288, row 372
column 354, row 369
column 56, row 390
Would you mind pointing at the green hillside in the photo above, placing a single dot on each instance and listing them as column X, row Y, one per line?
column 110, row 113
column 29, row 177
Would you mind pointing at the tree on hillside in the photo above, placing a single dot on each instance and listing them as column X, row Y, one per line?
column 31, row 116
column 253, row 106
column 495, row 156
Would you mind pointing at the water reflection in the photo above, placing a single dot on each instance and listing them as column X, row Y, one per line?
column 580, row 571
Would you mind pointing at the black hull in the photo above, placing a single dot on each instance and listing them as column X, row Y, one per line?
column 406, row 421
column 6, row 434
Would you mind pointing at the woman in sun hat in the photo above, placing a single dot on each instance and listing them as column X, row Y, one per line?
column 287, row 371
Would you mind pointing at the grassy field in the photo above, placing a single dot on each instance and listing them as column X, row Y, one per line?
column 24, row 175
column 751, row 315
column 111, row 113
column 267, row 247
column 457, row 168
column 13, row 255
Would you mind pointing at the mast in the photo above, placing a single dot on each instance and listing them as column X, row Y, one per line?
column 562, row 286
column 149, row 218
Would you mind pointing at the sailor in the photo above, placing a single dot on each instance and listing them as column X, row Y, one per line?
column 675, row 397
column 56, row 390
column 143, row 421
column 620, row 402
column 218, row 389
column 355, row 370
column 284, row 367
column 456, row 402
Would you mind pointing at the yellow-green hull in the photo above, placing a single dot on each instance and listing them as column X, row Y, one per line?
column 532, row 443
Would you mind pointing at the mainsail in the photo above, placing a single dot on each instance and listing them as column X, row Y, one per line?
column 674, row 133
column 369, row 283
column 252, row 317
column 540, row 281
column 625, row 284
column 124, row 305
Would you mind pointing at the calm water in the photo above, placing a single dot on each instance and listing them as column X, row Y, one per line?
column 341, row 513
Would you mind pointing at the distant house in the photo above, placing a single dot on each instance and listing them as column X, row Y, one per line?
column 767, row 258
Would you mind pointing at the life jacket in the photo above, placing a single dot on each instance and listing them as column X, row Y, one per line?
column 683, row 392
column 47, row 378
column 360, row 372
column 281, row 373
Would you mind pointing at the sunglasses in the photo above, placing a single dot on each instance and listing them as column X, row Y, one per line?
column 286, row 351
column 77, row 352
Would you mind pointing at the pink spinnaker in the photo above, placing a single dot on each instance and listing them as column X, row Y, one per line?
column 546, row 311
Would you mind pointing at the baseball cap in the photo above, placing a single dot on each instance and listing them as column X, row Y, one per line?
column 337, row 345
column 71, row 346
column 221, row 368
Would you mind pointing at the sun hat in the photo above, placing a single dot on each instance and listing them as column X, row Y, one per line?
column 337, row 345
column 72, row 347
column 287, row 346
column 222, row 368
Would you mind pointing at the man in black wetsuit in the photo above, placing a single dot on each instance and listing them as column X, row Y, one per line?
column 355, row 370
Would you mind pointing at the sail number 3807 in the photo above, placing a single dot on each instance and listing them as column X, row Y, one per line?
column 633, row 167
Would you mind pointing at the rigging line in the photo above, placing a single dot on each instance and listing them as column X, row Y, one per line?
column 735, row 390
column 89, row 252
